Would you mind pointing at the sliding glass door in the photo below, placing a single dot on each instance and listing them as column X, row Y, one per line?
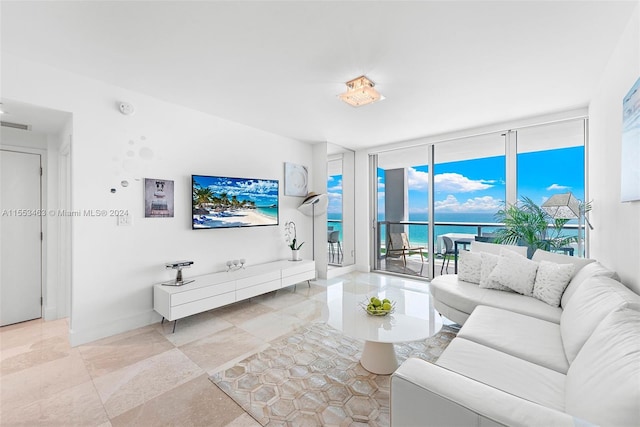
column 439, row 197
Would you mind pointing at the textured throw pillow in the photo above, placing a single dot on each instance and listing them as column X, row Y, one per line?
column 469, row 266
column 551, row 281
column 515, row 271
column 489, row 262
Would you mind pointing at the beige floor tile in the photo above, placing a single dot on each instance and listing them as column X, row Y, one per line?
column 217, row 349
column 308, row 310
column 244, row 420
column 77, row 406
column 192, row 328
column 135, row 384
column 198, row 402
column 28, row 355
column 241, row 311
column 271, row 325
column 26, row 333
column 111, row 354
column 280, row 299
column 42, row 381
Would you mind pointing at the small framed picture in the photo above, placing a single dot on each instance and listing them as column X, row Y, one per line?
column 295, row 180
column 158, row 198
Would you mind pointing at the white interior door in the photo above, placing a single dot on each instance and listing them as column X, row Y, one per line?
column 20, row 243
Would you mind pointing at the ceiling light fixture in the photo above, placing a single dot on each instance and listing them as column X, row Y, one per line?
column 360, row 91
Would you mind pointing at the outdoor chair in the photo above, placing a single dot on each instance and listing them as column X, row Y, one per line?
column 333, row 237
column 448, row 250
column 399, row 244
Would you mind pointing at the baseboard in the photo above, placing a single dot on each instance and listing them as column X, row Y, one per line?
column 79, row 336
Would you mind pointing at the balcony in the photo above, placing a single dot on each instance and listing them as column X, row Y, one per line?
column 461, row 233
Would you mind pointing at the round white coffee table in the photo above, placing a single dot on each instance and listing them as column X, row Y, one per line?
column 414, row 319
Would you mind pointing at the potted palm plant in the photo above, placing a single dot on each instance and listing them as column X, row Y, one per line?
column 527, row 224
column 292, row 240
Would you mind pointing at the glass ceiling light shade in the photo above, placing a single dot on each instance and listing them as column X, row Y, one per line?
column 562, row 206
column 360, row 91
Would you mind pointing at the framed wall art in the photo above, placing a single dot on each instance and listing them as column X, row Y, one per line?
column 630, row 166
column 295, row 180
column 158, row 198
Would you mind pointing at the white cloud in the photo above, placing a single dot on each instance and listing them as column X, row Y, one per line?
column 456, row 183
column 477, row 204
column 557, row 187
column 417, row 180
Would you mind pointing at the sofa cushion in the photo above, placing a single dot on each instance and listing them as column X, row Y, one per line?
column 526, row 337
column 592, row 302
column 593, row 269
column 603, row 382
column 579, row 263
column 494, row 248
column 488, row 264
column 551, row 281
column 505, row 372
column 466, row 296
column 515, row 272
column 469, row 266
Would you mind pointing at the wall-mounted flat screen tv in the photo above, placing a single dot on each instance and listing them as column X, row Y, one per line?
column 224, row 202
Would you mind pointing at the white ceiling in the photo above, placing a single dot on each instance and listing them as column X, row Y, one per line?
column 279, row 66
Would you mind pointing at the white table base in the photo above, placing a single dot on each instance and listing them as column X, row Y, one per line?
column 379, row 358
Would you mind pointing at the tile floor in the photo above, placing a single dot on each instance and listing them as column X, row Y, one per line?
column 149, row 376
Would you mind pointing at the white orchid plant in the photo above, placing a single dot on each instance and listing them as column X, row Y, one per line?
column 291, row 236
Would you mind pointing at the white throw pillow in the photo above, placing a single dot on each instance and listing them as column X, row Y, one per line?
column 515, row 272
column 469, row 266
column 489, row 262
column 551, row 281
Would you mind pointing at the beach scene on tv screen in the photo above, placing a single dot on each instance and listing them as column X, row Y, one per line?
column 222, row 202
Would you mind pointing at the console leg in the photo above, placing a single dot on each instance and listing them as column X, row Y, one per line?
column 174, row 326
column 162, row 320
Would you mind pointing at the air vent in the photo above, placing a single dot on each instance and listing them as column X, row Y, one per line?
column 15, row 126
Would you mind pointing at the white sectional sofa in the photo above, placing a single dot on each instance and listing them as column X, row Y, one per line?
column 518, row 361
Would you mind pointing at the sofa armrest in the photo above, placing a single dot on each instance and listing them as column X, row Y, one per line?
column 424, row 394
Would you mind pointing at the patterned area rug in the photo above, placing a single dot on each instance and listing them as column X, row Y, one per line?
column 313, row 377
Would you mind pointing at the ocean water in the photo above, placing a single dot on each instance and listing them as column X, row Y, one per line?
column 418, row 234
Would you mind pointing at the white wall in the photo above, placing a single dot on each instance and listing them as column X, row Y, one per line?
column 616, row 239
column 114, row 268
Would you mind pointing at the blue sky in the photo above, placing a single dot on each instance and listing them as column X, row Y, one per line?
column 479, row 185
column 334, row 192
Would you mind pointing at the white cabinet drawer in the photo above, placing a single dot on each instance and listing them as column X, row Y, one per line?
column 201, row 305
column 201, row 293
column 296, row 268
column 297, row 278
column 260, row 289
column 260, row 278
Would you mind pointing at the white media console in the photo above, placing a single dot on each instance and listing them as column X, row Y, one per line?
column 217, row 289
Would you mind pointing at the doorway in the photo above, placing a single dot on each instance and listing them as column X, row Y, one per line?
column 21, row 236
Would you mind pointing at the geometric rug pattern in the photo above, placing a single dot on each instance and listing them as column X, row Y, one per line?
column 313, row 377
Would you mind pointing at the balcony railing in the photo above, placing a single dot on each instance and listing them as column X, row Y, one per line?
column 417, row 232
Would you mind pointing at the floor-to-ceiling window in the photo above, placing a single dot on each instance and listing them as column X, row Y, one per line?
column 550, row 160
column 469, row 189
column 402, row 211
column 473, row 178
column 335, row 236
